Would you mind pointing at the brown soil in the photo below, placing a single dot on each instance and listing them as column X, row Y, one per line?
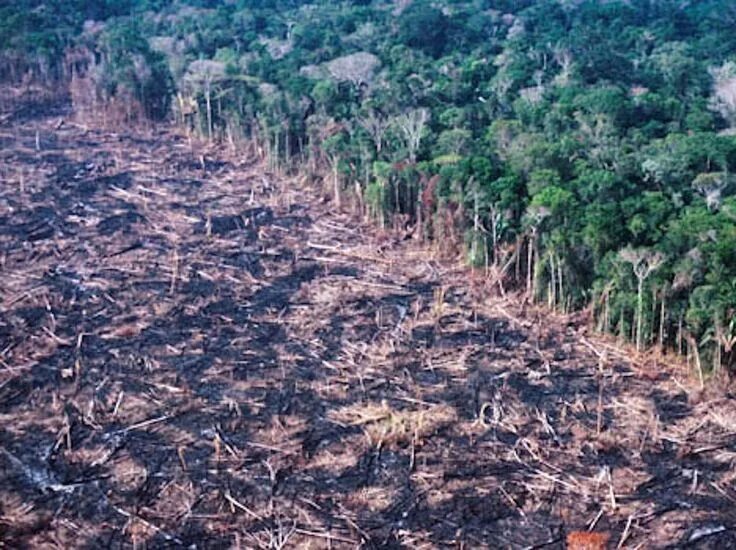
column 202, row 353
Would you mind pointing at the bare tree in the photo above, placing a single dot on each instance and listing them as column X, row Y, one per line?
column 563, row 58
column 333, row 158
column 724, row 91
column 535, row 216
column 711, row 186
column 202, row 76
column 357, row 68
column 643, row 262
column 376, row 125
column 412, row 125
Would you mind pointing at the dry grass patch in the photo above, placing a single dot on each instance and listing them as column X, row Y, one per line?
column 385, row 426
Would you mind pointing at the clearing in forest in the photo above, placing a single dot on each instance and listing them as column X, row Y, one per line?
column 196, row 352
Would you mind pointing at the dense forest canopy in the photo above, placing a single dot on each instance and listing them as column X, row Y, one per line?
column 584, row 150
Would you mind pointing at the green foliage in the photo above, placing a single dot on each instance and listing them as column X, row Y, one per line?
column 131, row 65
column 573, row 130
column 375, row 198
column 424, row 27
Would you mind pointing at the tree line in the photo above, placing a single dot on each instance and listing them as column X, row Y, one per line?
column 580, row 151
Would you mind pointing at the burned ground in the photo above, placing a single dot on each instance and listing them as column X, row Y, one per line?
column 194, row 351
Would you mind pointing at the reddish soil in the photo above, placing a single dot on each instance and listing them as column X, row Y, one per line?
column 197, row 353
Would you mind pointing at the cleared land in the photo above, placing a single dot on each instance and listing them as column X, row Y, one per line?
column 194, row 351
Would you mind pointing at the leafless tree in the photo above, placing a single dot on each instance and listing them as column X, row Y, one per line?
column 376, row 125
column 643, row 262
column 357, row 68
column 724, row 91
column 563, row 57
column 411, row 124
column 202, row 77
column 535, row 216
column 711, row 186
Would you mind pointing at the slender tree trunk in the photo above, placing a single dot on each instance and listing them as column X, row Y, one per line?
column 287, row 153
column 662, row 309
column 535, row 267
column 269, row 149
column 694, row 352
column 420, row 221
column 551, row 300
column 397, row 197
column 529, row 269
column 494, row 235
column 359, row 198
column 639, row 312
column 719, row 337
column 365, row 157
column 208, row 101
column 476, row 225
column 336, row 183
column 652, row 337
column 560, row 282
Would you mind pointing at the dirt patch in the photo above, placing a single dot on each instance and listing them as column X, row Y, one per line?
column 203, row 353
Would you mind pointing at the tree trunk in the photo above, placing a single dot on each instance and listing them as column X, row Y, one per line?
column 639, row 311
column 535, row 265
column 517, row 253
column 476, row 225
column 208, row 101
column 551, row 299
column 397, row 196
column 359, row 199
column 336, row 183
column 287, row 153
column 420, row 221
column 692, row 347
column 662, row 309
column 529, row 262
column 494, row 234
column 560, row 283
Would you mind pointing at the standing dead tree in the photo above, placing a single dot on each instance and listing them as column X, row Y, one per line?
column 724, row 92
column 203, row 76
column 563, row 58
column 376, row 125
column 711, row 185
column 411, row 124
column 357, row 68
column 535, row 216
column 643, row 262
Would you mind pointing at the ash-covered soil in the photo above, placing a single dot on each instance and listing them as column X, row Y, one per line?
column 197, row 353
